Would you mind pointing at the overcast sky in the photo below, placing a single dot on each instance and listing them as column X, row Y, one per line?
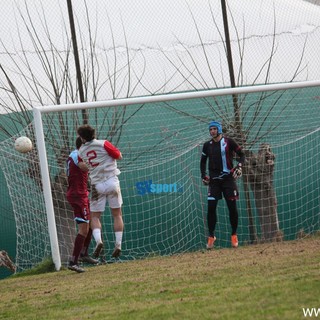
column 159, row 22
column 153, row 28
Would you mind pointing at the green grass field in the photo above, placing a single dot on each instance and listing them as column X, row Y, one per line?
column 266, row 281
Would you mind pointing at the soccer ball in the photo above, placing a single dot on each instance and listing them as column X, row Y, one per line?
column 23, row 144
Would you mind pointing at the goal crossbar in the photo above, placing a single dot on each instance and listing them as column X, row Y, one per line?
column 176, row 96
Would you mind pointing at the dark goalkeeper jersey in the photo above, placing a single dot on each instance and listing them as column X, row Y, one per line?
column 77, row 179
column 220, row 155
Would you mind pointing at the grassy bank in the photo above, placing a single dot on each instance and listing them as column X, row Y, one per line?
column 266, row 281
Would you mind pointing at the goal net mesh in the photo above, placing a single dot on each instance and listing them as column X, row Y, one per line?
column 165, row 203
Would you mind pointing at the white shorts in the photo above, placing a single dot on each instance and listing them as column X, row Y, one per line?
column 103, row 191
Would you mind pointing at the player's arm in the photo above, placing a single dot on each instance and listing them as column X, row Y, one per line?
column 237, row 170
column 113, row 151
column 82, row 165
column 203, row 161
column 203, row 164
column 234, row 147
column 240, row 154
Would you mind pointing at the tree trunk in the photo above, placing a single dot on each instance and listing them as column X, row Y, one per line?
column 251, row 224
column 66, row 227
column 260, row 174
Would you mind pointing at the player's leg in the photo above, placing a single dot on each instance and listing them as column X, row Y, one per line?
column 233, row 215
column 231, row 195
column 85, row 249
column 96, row 227
column 214, row 194
column 115, row 202
column 82, row 219
column 212, row 216
column 83, row 228
column 118, row 230
column 97, row 206
column 84, row 255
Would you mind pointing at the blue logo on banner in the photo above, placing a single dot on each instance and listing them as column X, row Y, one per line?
column 147, row 187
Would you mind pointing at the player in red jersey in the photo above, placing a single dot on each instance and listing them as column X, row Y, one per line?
column 101, row 156
column 77, row 196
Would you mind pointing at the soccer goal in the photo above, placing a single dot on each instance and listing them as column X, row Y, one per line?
column 165, row 203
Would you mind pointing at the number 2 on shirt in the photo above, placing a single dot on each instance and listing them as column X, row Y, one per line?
column 91, row 156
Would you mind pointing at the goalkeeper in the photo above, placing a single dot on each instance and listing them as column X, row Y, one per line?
column 219, row 151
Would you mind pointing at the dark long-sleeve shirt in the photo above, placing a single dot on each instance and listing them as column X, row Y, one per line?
column 220, row 155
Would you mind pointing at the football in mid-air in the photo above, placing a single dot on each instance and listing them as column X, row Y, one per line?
column 23, row 144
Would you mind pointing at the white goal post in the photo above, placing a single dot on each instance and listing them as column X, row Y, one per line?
column 41, row 145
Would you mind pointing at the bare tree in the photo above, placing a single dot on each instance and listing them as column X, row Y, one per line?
column 56, row 86
column 5, row 261
column 248, row 128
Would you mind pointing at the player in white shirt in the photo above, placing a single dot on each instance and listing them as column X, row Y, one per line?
column 100, row 158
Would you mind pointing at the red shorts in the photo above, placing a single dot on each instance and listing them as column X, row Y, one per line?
column 81, row 208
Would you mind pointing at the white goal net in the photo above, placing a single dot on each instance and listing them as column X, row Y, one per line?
column 165, row 203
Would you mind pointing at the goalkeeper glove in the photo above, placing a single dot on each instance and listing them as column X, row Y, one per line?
column 237, row 171
column 206, row 180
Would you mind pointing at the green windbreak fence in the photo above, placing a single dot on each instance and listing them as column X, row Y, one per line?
column 7, row 225
column 164, row 200
column 7, row 220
